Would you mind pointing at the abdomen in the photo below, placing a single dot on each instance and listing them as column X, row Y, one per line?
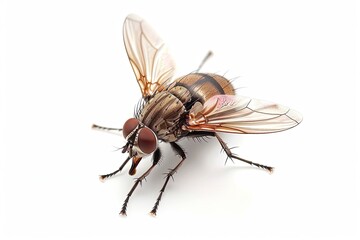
column 203, row 85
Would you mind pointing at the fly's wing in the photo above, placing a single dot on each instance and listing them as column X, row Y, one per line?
column 148, row 56
column 237, row 114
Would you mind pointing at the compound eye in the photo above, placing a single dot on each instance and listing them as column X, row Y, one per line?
column 129, row 126
column 147, row 140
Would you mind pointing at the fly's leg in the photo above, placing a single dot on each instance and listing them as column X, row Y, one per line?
column 106, row 129
column 208, row 55
column 169, row 175
column 231, row 155
column 103, row 177
column 156, row 158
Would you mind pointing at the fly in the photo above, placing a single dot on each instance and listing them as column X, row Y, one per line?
column 194, row 105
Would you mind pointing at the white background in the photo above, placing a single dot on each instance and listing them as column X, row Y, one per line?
column 64, row 67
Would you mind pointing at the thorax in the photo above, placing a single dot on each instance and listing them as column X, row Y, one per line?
column 163, row 114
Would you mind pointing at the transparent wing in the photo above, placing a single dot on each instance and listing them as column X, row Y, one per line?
column 237, row 114
column 148, row 56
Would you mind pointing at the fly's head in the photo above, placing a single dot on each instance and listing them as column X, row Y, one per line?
column 141, row 141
